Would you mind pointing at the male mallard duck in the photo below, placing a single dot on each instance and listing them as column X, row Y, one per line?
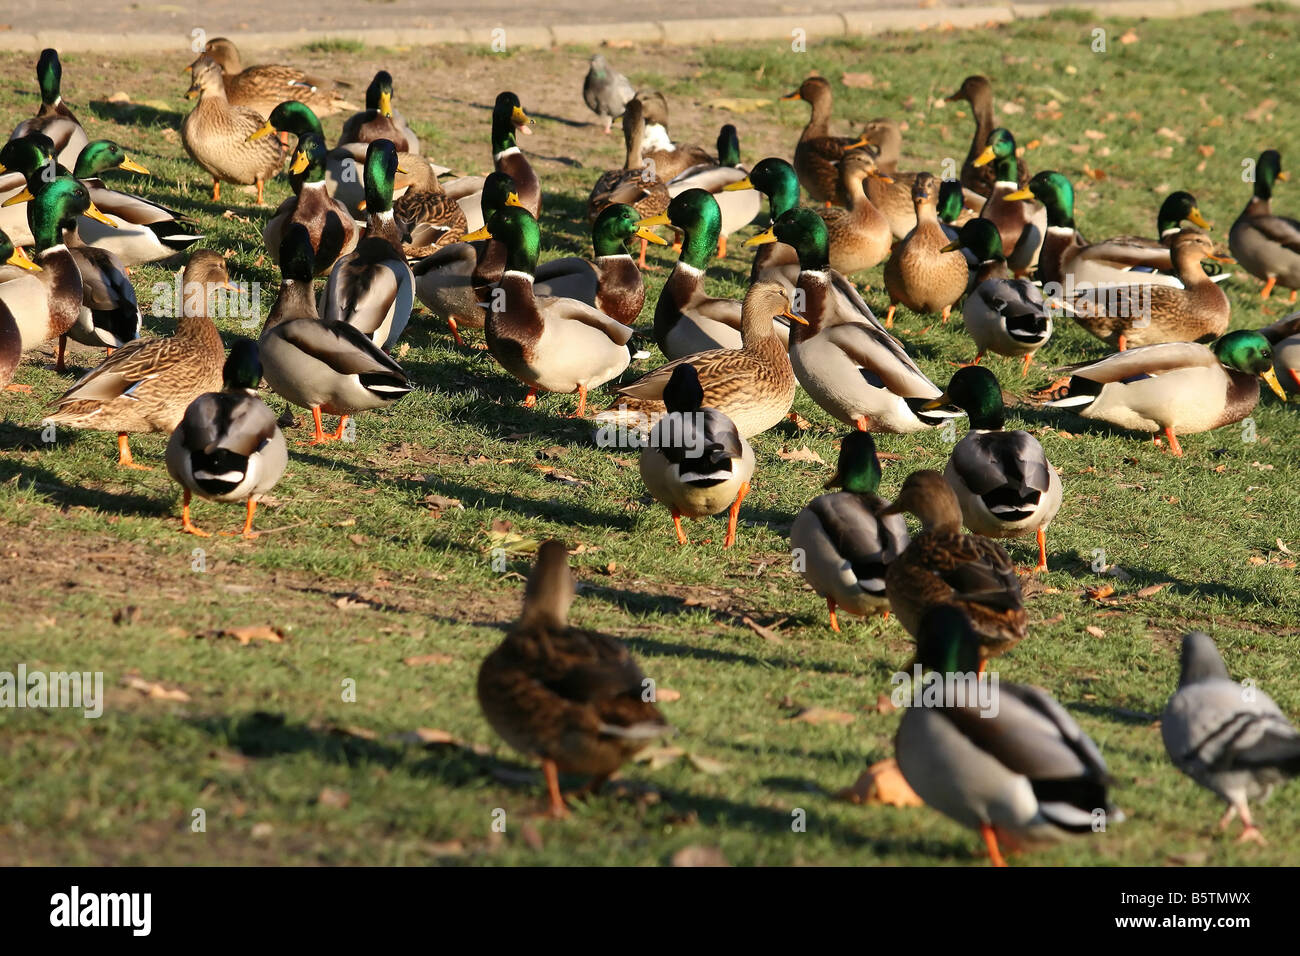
column 1230, row 738
column 606, row 91
column 1130, row 315
column 1267, row 246
column 1176, row 387
column 54, row 119
column 570, row 697
column 635, row 184
column 426, row 214
column 1284, row 336
column 666, row 158
column 845, row 360
column 1014, row 766
column 943, row 566
column 1004, row 483
column 860, row 236
column 262, row 88
column 687, row 320
column 325, row 365
column 372, row 288
column 379, row 120
column 508, row 117
column 777, row 180
column 695, row 461
column 549, row 344
column 146, row 385
column 818, row 151
column 227, row 446
column 738, row 208
column 613, row 282
column 918, row 273
column 11, row 339
column 331, row 227
column 1003, row 315
column 978, row 91
column 752, row 385
column 953, row 212
column 1140, row 255
column 1021, row 226
column 218, row 136
column 844, row 545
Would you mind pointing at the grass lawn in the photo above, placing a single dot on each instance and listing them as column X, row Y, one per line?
column 372, row 584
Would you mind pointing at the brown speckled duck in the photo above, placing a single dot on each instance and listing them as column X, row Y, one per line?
column 635, row 184
column 860, row 235
column 919, row 273
column 978, row 91
column 818, row 151
column 218, row 135
column 262, row 88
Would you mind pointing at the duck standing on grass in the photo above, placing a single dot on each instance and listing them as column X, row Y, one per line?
column 228, row 446
column 218, row 136
column 1267, row 246
column 919, row 274
column 11, row 339
column 508, row 117
column 53, row 118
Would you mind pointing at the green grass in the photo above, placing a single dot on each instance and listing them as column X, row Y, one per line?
column 361, row 574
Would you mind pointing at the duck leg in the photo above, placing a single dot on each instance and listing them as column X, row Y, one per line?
column 59, row 365
column 338, row 435
column 1295, row 377
column 946, row 310
column 187, row 526
column 455, row 334
column 319, row 437
column 641, row 261
column 1175, row 448
column 889, row 316
column 557, row 808
column 530, row 399
column 261, row 183
column 862, row 423
column 248, row 531
column 1121, row 343
column 734, row 514
column 677, row 523
column 1042, row 552
column 991, row 844
column 1291, row 298
column 1268, row 287
column 216, row 190
column 1024, row 366
column 830, row 607
column 975, row 361
column 1251, row 833
column 124, row 459
column 582, row 402
column 722, row 254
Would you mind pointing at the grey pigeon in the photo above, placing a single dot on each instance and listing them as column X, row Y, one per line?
column 605, row 90
column 1228, row 737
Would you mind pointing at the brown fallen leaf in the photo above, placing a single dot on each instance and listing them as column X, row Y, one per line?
column 1151, row 589
column 862, row 81
column 334, row 799
column 1129, row 37
column 442, row 503
column 1095, row 631
column 800, row 422
column 155, row 690
column 699, row 856
column 1099, row 593
column 706, row 764
column 246, row 635
column 822, row 715
column 658, row 757
column 423, row 660
column 881, row 783
column 665, row 694
column 802, row 453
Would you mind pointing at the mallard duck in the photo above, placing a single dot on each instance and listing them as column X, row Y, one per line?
column 218, row 136
column 818, row 151
column 454, row 281
column 1284, row 337
column 262, row 88
column 918, row 273
column 752, row 385
column 331, row 227
column 575, row 699
column 1021, row 226
column 1178, row 387
column 426, row 215
column 606, row 91
column 379, row 120
column 146, row 385
column 11, row 339
column 978, row 91
column 687, row 320
column 635, row 184
column 1139, row 255
column 777, row 180
column 325, row 365
column 227, row 446
column 738, row 208
column 860, row 235
column 943, row 566
column 54, row 119
column 1231, row 738
column 1014, row 765
column 1003, row 315
column 845, row 360
column 1004, row 483
column 695, row 461
column 508, row 117
column 844, row 547
column 613, row 282
column 1267, row 246
column 953, row 212
column 549, row 344
column 1130, row 315
column 666, row 158
column 891, row 191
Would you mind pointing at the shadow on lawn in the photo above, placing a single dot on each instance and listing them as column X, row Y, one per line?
column 65, row 495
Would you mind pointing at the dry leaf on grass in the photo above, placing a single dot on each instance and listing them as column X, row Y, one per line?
column 658, row 757
column 334, row 799
column 422, row 660
column 765, row 633
column 707, row 764
column 802, row 453
column 699, row 856
column 881, row 783
column 666, row 695
column 800, row 422
column 442, row 503
column 861, row 81
column 512, row 542
column 822, row 715
column 246, row 635
column 1099, row 593
column 155, row 690
column 1095, row 631
column 1151, row 589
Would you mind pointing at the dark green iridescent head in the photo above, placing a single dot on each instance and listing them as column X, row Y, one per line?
column 517, row 229
column 297, row 258
column 804, row 230
column 951, row 200
column 507, row 114
column 1002, row 146
column 1267, row 171
column 379, row 94
column 49, row 75
column 695, row 212
column 497, row 187
column 309, row 158
column 975, row 390
column 615, row 225
column 99, row 156
column 297, row 118
column 56, row 206
column 27, row 154
column 728, row 146
column 380, row 171
column 858, row 468
column 776, row 179
column 1056, row 192
column 982, row 238
column 946, row 642
column 243, row 368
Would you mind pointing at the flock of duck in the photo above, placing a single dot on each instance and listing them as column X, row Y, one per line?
column 376, row 219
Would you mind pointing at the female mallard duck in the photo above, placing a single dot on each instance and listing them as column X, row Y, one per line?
column 752, row 385
column 11, row 339
column 1003, row 315
column 570, row 697
column 981, row 179
column 613, row 282
column 1004, row 483
column 919, row 273
column 331, row 227
column 218, row 136
column 228, row 446
column 1177, row 387
column 262, row 88
column 1267, row 246
column 1140, row 256
column 818, row 151
column 454, row 281
column 146, row 385
column 1284, row 337
column 846, row 362
column 372, row 288
column 1021, row 226
column 325, row 365
column 54, row 119
column 738, row 208
column 379, row 120
column 1148, row 314
column 667, row 159
column 687, row 320
column 777, row 180
column 606, row 91
column 1016, row 767
column 943, row 566
column 549, row 344
column 425, row 213
column 860, row 236
column 635, row 184
column 508, row 117
column 695, row 461
column 845, row 546
column 891, row 191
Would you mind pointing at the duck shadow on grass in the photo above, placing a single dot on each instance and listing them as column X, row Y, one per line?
column 134, row 114
column 70, row 496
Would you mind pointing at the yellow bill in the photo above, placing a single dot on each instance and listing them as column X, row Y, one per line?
column 953, row 246
column 19, row 259
column 385, row 104
column 648, row 236
column 729, row 188
column 300, row 162
column 1270, row 376
column 1019, row 194
column 131, row 166
column 512, row 199
column 266, row 129
column 934, row 403
column 1196, row 219
column 794, row 317
column 984, row 158
column 520, row 119
column 476, row 235
column 24, row 196
column 763, row 238
column 659, row 220
column 93, row 212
